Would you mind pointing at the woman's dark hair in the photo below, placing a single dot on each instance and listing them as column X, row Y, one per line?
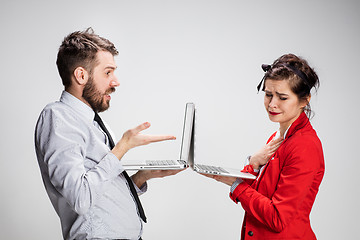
column 79, row 49
column 302, row 78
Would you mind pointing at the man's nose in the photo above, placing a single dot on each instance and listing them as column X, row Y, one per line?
column 115, row 82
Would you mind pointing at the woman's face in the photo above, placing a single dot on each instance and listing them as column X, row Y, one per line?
column 281, row 104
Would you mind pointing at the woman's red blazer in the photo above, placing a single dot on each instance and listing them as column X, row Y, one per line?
column 278, row 203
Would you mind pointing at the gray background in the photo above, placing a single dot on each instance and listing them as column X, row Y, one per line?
column 171, row 52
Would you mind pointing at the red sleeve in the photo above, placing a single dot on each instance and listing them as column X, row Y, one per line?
column 302, row 164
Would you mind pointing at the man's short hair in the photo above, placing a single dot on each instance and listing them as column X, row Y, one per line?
column 79, row 49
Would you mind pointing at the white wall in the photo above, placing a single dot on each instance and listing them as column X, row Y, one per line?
column 171, row 52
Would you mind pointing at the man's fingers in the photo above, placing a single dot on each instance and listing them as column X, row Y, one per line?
column 171, row 172
column 208, row 175
column 164, row 173
column 159, row 138
column 151, row 138
column 141, row 127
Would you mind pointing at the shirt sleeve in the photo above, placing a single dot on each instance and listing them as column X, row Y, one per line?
column 142, row 189
column 235, row 184
column 295, row 184
column 63, row 145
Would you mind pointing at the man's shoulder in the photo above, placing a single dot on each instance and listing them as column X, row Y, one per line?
column 54, row 108
column 58, row 110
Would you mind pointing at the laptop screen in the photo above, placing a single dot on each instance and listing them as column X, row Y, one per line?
column 187, row 131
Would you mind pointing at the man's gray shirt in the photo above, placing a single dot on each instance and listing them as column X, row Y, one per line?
column 82, row 177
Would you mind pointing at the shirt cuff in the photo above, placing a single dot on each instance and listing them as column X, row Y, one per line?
column 142, row 189
column 235, row 184
column 241, row 187
column 110, row 167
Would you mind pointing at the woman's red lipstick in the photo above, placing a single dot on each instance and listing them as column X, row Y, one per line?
column 274, row 113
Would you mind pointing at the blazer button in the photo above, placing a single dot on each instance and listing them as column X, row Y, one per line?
column 250, row 233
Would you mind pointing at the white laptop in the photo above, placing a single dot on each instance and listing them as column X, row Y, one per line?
column 213, row 170
column 184, row 150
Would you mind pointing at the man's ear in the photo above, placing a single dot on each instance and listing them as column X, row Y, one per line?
column 81, row 75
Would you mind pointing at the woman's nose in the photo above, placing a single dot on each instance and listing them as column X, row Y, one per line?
column 273, row 103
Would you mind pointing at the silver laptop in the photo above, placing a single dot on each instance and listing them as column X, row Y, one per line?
column 184, row 149
column 213, row 170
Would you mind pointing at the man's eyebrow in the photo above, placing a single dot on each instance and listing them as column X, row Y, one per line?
column 111, row 67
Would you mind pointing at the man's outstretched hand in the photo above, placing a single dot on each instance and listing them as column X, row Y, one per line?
column 134, row 138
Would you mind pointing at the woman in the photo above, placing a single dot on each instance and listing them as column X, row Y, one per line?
column 278, row 203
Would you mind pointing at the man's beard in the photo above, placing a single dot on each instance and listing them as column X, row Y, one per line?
column 94, row 97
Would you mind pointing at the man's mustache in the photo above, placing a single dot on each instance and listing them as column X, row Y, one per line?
column 110, row 90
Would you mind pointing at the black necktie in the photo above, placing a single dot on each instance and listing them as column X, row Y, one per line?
column 130, row 182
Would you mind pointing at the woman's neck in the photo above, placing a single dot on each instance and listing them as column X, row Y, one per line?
column 285, row 125
column 282, row 131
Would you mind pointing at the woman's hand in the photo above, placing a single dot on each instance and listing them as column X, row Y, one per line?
column 263, row 155
column 224, row 179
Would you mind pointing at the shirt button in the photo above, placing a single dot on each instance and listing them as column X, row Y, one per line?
column 250, row 233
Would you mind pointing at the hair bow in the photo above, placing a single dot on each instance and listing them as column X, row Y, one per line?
column 266, row 68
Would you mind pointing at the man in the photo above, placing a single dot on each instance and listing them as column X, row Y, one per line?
column 79, row 162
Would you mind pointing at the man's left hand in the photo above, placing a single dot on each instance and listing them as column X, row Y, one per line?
column 142, row 176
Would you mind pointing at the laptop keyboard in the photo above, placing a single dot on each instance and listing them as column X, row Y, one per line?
column 211, row 168
column 161, row 162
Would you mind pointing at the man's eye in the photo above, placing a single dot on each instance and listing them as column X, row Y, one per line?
column 268, row 95
column 107, row 73
column 283, row 99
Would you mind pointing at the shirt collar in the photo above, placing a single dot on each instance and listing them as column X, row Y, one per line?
column 79, row 106
column 299, row 123
column 277, row 135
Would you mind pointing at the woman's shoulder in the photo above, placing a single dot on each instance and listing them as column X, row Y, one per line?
column 307, row 138
column 303, row 145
